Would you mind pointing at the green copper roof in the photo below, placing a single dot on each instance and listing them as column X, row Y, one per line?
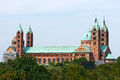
column 104, row 26
column 86, row 36
column 20, row 29
column 109, row 56
column 103, row 48
column 89, row 50
column 96, row 24
column 53, row 49
column 30, row 30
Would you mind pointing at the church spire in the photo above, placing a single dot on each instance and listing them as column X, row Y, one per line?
column 20, row 28
column 30, row 30
column 104, row 25
column 96, row 24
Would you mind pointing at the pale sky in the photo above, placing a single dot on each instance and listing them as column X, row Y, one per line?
column 58, row 22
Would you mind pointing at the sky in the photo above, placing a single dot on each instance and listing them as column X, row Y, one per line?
column 58, row 22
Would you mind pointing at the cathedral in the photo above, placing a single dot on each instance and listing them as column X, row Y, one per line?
column 94, row 46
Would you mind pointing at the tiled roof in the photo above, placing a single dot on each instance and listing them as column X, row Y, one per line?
column 109, row 56
column 103, row 48
column 53, row 49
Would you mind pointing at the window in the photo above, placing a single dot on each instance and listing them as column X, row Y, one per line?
column 58, row 60
column 94, row 43
column 14, row 42
column 18, row 41
column 102, row 43
column 94, row 33
column 18, row 46
column 53, row 60
column 102, row 39
column 39, row 61
column 18, row 36
column 49, row 60
column 66, row 59
column 62, row 60
column 102, row 30
column 94, row 29
column 28, row 37
column 18, row 32
column 28, row 42
column 94, row 38
column 71, row 59
column 44, row 60
column 102, row 34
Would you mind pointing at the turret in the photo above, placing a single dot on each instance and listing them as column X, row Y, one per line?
column 29, row 38
column 19, row 41
column 104, row 38
column 95, row 40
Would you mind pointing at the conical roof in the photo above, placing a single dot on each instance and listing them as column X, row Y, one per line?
column 30, row 30
column 109, row 56
column 20, row 29
column 96, row 24
column 104, row 26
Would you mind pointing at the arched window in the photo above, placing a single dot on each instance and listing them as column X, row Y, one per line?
column 18, row 46
column 18, row 41
column 49, row 60
column 102, row 34
column 58, row 60
column 66, row 59
column 44, row 60
column 28, row 37
column 28, row 42
column 94, row 33
column 102, row 39
column 62, row 60
column 18, row 32
column 53, row 60
column 94, row 38
column 39, row 61
column 71, row 59
column 18, row 36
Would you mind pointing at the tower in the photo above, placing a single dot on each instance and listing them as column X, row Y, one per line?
column 95, row 40
column 19, row 41
column 29, row 38
column 104, row 35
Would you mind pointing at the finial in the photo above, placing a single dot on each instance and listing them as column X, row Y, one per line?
column 103, row 20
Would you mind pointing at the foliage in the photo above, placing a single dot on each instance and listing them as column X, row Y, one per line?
column 26, row 68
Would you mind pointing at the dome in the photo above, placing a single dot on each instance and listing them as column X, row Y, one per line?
column 86, row 36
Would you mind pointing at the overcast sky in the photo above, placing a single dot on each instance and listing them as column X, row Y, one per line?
column 58, row 22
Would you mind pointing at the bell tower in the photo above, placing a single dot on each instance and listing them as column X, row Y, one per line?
column 95, row 40
column 104, row 35
column 29, row 38
column 19, row 41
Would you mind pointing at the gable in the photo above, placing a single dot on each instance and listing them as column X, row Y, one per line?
column 84, row 48
column 11, row 48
